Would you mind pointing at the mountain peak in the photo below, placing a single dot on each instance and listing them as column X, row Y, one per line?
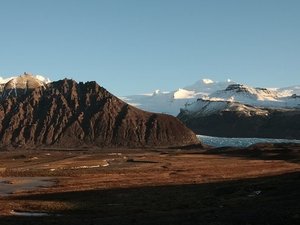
column 207, row 81
column 238, row 88
column 21, row 85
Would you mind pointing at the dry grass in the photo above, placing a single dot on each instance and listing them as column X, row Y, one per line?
column 153, row 187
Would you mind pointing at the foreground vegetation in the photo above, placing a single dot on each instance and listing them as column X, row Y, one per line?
column 223, row 186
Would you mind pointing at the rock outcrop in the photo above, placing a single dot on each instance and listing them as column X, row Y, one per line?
column 70, row 114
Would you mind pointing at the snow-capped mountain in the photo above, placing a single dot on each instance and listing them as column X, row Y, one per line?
column 20, row 84
column 228, row 91
column 39, row 77
column 171, row 102
column 244, row 96
column 243, row 111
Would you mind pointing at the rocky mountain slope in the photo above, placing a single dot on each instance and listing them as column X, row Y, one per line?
column 70, row 114
column 238, row 120
column 242, row 111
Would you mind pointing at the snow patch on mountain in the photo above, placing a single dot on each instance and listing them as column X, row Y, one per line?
column 207, row 81
column 5, row 80
column 184, row 94
column 207, row 107
column 46, row 80
column 245, row 94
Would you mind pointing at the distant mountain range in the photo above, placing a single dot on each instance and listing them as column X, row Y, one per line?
column 188, row 97
column 240, row 97
column 228, row 109
column 35, row 112
column 243, row 111
column 172, row 102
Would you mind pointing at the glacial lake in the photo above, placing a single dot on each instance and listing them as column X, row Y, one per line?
column 240, row 142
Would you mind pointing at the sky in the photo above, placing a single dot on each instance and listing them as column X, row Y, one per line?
column 138, row 46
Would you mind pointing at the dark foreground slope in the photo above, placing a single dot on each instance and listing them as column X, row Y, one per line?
column 70, row 114
column 275, row 124
column 270, row 200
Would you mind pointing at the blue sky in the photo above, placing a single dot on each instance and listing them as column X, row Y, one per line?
column 136, row 46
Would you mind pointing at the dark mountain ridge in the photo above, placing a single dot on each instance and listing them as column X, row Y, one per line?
column 251, row 122
column 70, row 114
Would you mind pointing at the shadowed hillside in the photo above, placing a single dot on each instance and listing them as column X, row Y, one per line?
column 69, row 114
